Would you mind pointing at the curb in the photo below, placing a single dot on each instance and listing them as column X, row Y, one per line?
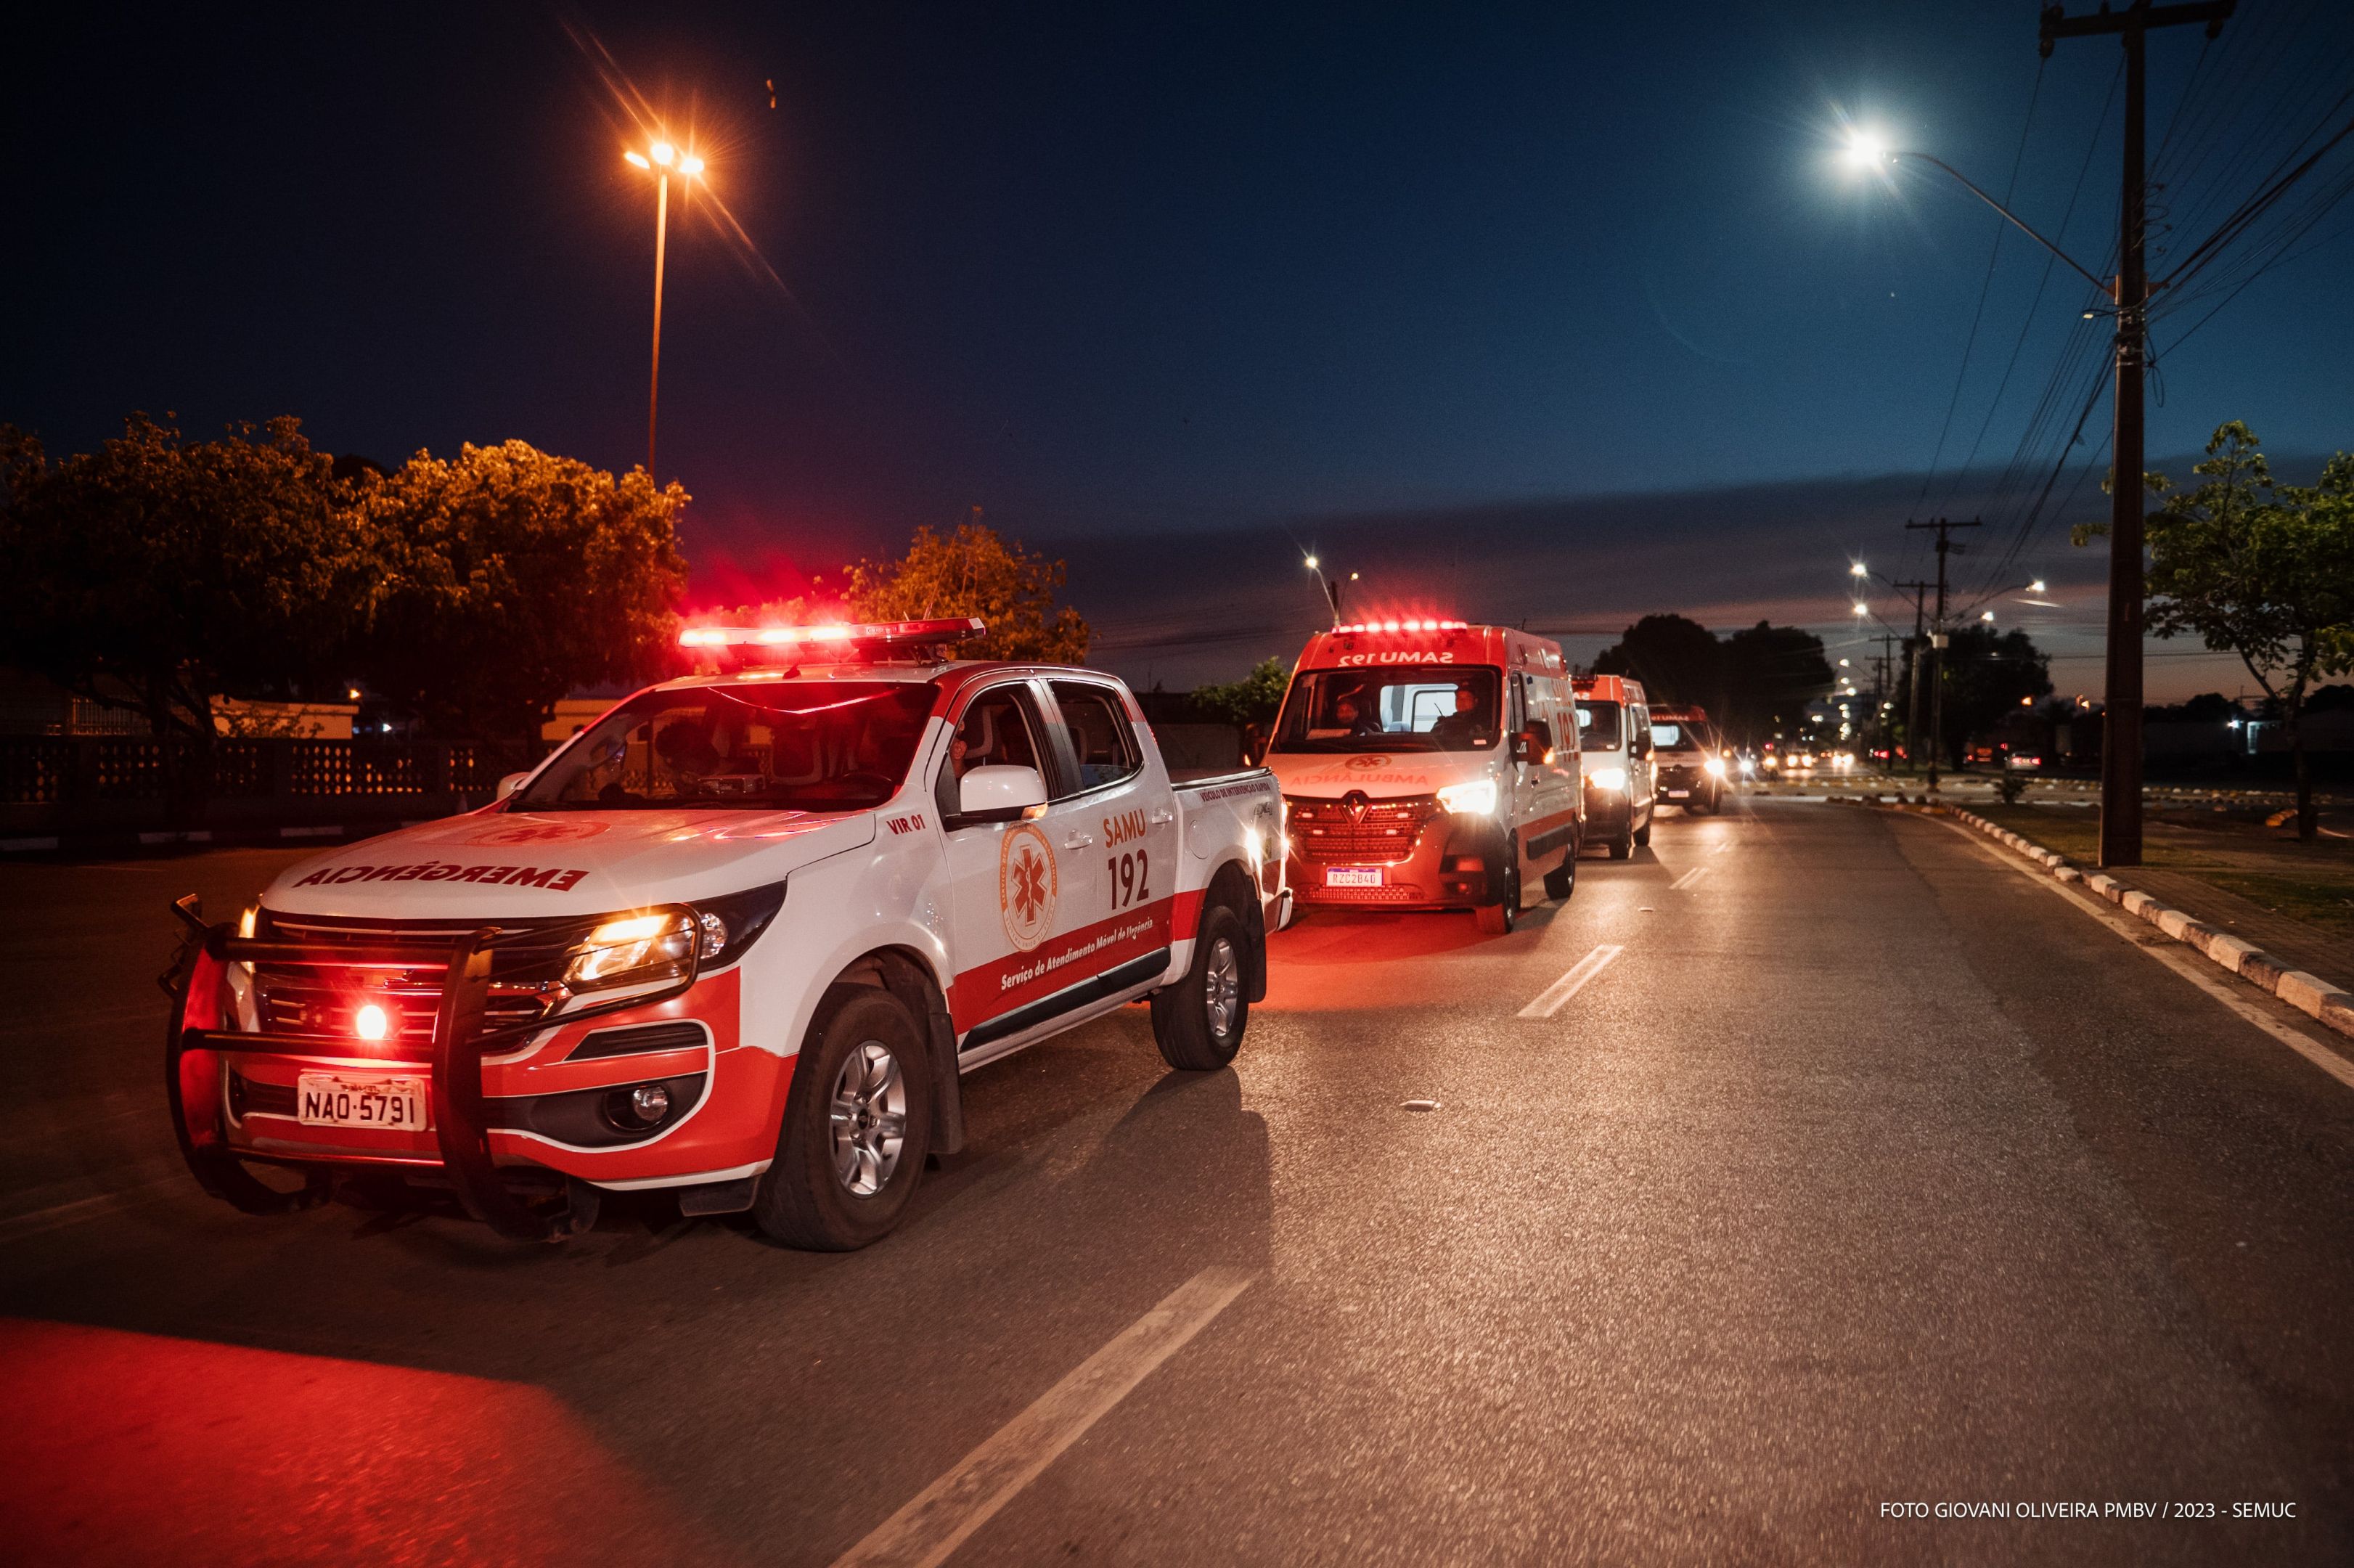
column 2307, row 992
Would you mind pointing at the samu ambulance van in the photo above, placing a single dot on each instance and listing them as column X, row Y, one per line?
column 1428, row 764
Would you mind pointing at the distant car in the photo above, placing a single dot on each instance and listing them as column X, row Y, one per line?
column 2021, row 762
column 1690, row 772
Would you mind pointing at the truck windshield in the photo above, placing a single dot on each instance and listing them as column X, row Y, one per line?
column 1677, row 736
column 807, row 746
column 1600, row 727
column 1423, row 707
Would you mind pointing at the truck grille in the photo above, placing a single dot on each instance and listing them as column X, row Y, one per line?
column 1354, row 831
column 308, row 999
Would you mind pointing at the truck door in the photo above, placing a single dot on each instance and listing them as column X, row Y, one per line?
column 1133, row 815
column 1018, row 891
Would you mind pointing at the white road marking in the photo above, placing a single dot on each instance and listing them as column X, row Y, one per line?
column 1688, row 878
column 1562, row 990
column 940, row 1517
column 2188, row 964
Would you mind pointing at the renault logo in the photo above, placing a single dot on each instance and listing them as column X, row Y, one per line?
column 1354, row 803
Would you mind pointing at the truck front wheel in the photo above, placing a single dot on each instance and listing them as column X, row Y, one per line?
column 1199, row 1021
column 858, row 1119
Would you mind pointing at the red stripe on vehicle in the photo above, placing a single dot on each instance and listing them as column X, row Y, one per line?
column 1062, row 961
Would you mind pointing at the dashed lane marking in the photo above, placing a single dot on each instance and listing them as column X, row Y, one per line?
column 943, row 1514
column 1688, row 878
column 1551, row 1000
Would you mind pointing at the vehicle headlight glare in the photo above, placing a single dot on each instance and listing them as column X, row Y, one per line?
column 620, row 950
column 1715, row 766
column 1475, row 799
column 1612, row 778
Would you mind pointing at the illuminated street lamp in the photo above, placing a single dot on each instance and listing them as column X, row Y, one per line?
column 660, row 159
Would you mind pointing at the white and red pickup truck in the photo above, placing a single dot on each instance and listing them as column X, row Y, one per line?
column 738, row 938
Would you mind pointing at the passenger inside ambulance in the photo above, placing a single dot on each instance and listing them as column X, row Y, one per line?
column 1419, row 709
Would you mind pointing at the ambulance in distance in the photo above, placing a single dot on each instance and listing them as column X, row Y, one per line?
column 738, row 940
column 1428, row 764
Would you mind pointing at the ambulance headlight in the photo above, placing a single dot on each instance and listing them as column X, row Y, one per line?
column 1476, row 799
column 634, row 947
column 1715, row 766
column 1610, row 778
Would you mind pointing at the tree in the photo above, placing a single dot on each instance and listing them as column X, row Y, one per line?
column 516, row 575
column 1771, row 673
column 1254, row 699
column 2262, row 573
column 1985, row 675
column 1677, row 661
column 157, row 575
column 973, row 572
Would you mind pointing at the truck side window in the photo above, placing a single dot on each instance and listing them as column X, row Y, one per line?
column 1101, row 737
column 997, row 729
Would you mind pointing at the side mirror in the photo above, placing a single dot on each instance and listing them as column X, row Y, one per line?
column 511, row 783
column 998, row 794
column 1525, row 747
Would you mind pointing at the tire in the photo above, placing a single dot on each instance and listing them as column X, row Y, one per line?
column 1643, row 834
column 1623, row 846
column 1561, row 882
column 839, row 1184
column 1497, row 919
column 1199, row 1021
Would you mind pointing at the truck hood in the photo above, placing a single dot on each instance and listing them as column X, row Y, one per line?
column 497, row 865
column 1379, row 776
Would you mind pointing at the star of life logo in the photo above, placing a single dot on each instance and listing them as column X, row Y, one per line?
column 1026, row 885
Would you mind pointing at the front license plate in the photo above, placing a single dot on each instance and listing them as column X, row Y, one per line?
column 330, row 1099
column 1353, row 877
column 1678, row 794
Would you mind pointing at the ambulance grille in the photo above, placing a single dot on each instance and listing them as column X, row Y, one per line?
column 1359, row 832
column 307, row 1000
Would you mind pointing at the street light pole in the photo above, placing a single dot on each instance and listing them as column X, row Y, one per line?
column 653, row 380
column 2121, row 739
column 659, row 159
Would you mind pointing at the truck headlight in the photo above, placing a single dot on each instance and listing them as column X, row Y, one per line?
column 1612, row 778
column 631, row 949
column 1715, row 766
column 1476, row 799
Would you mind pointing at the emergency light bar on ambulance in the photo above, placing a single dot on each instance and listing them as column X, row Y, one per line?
column 960, row 628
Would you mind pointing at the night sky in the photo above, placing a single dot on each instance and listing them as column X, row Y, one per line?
column 1560, row 312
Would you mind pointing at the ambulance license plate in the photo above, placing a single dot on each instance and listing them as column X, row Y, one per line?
column 1678, row 794
column 330, row 1099
column 1353, row 877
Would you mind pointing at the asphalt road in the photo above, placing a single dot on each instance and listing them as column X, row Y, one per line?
column 1868, row 1172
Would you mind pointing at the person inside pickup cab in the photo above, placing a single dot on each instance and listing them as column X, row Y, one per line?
column 1464, row 729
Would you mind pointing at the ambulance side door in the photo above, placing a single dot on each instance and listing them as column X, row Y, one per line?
column 1128, row 797
column 1011, row 885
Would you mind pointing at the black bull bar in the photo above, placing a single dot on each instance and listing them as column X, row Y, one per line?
column 196, row 1038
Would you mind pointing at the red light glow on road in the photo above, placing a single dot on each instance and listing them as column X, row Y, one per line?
column 133, row 1448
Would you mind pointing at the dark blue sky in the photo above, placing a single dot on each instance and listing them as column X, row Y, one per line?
column 1111, row 271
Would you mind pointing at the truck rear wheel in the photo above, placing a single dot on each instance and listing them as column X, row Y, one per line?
column 858, row 1120
column 1199, row 1021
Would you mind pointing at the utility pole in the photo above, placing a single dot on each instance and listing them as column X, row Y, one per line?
column 1937, row 635
column 2121, row 718
column 1884, row 672
column 1913, row 700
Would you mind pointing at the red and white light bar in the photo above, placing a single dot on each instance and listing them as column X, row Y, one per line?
column 1411, row 625
column 959, row 630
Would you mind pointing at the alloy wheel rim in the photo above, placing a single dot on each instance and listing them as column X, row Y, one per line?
column 1223, row 994
column 869, row 1118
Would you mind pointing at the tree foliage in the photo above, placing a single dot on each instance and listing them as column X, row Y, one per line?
column 1750, row 681
column 1254, row 699
column 1984, row 675
column 1677, row 661
column 2262, row 571
column 516, row 575
column 156, row 573
column 973, row 572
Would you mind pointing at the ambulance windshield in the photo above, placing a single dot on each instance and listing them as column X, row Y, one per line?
column 1599, row 725
column 1423, row 707
column 799, row 746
